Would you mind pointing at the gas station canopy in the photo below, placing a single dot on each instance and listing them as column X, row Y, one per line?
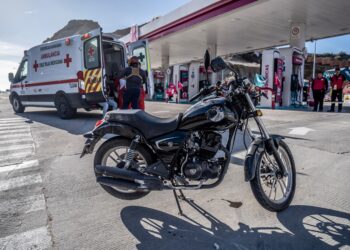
column 236, row 26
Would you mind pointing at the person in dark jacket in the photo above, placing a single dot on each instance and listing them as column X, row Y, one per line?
column 319, row 88
column 135, row 77
column 337, row 83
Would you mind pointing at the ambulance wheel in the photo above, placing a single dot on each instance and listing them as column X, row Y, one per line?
column 17, row 105
column 64, row 109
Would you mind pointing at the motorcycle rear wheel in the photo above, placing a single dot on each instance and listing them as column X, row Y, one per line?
column 274, row 192
column 104, row 152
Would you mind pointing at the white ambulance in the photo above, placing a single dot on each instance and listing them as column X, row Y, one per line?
column 69, row 73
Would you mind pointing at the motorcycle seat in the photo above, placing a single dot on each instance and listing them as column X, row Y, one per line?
column 150, row 126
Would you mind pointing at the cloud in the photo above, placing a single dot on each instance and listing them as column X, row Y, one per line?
column 28, row 12
column 5, row 68
column 9, row 49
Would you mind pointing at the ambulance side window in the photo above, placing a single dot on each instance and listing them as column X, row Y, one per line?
column 92, row 53
column 22, row 71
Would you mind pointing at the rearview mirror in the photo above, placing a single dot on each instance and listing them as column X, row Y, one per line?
column 206, row 60
column 218, row 64
column 11, row 77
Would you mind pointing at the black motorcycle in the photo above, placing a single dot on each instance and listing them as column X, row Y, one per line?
column 192, row 150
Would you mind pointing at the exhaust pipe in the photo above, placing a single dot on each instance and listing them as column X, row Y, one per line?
column 107, row 181
column 131, row 179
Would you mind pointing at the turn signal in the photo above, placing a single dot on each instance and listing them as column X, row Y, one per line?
column 258, row 112
column 99, row 122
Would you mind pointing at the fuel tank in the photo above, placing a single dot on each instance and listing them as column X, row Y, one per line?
column 208, row 114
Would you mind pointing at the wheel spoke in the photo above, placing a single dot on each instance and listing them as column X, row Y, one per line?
column 110, row 156
column 266, row 174
column 272, row 186
column 283, row 191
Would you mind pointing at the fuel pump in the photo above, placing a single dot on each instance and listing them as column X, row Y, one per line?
column 293, row 74
column 272, row 70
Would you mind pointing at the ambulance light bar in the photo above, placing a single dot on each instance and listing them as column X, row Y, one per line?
column 85, row 36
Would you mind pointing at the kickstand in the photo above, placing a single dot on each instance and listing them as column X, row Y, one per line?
column 177, row 202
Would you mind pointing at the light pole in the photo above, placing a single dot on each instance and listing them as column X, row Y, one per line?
column 314, row 64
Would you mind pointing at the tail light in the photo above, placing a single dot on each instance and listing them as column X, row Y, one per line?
column 80, row 75
column 99, row 122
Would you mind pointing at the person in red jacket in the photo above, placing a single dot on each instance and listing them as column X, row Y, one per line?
column 337, row 83
column 319, row 88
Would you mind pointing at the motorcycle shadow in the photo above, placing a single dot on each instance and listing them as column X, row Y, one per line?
column 158, row 230
column 79, row 125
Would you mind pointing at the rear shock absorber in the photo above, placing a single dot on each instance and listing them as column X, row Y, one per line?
column 131, row 152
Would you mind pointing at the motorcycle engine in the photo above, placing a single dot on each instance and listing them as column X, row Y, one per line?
column 200, row 162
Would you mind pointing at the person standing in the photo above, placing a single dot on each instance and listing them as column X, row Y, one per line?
column 319, row 88
column 337, row 83
column 135, row 77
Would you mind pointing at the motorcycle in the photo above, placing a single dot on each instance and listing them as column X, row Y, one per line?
column 193, row 150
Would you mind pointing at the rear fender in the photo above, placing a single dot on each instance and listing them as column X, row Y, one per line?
column 97, row 134
column 253, row 154
column 116, row 129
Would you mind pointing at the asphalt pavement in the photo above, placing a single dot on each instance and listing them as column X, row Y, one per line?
column 49, row 198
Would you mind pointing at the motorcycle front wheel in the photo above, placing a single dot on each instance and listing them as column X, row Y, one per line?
column 113, row 152
column 273, row 191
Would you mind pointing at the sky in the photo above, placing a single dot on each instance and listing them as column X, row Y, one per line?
column 26, row 23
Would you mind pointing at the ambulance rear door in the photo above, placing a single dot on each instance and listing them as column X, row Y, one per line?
column 141, row 50
column 95, row 87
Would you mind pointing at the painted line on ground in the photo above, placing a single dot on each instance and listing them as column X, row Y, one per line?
column 38, row 238
column 14, row 154
column 17, row 135
column 13, row 124
column 23, row 205
column 14, row 128
column 16, row 141
column 16, row 131
column 20, row 182
column 13, row 119
column 300, row 131
column 15, row 158
column 23, row 165
column 19, row 147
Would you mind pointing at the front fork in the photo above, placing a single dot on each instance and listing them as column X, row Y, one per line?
column 270, row 145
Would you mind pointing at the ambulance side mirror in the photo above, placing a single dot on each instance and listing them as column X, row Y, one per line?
column 11, row 77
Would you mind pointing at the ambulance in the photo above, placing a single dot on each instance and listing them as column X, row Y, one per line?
column 70, row 73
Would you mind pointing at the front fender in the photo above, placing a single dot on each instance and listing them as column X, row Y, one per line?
column 253, row 154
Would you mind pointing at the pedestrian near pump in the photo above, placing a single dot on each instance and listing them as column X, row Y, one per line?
column 135, row 77
column 319, row 88
column 337, row 83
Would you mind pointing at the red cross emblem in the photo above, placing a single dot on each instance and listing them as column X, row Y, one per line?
column 36, row 66
column 67, row 60
column 91, row 51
